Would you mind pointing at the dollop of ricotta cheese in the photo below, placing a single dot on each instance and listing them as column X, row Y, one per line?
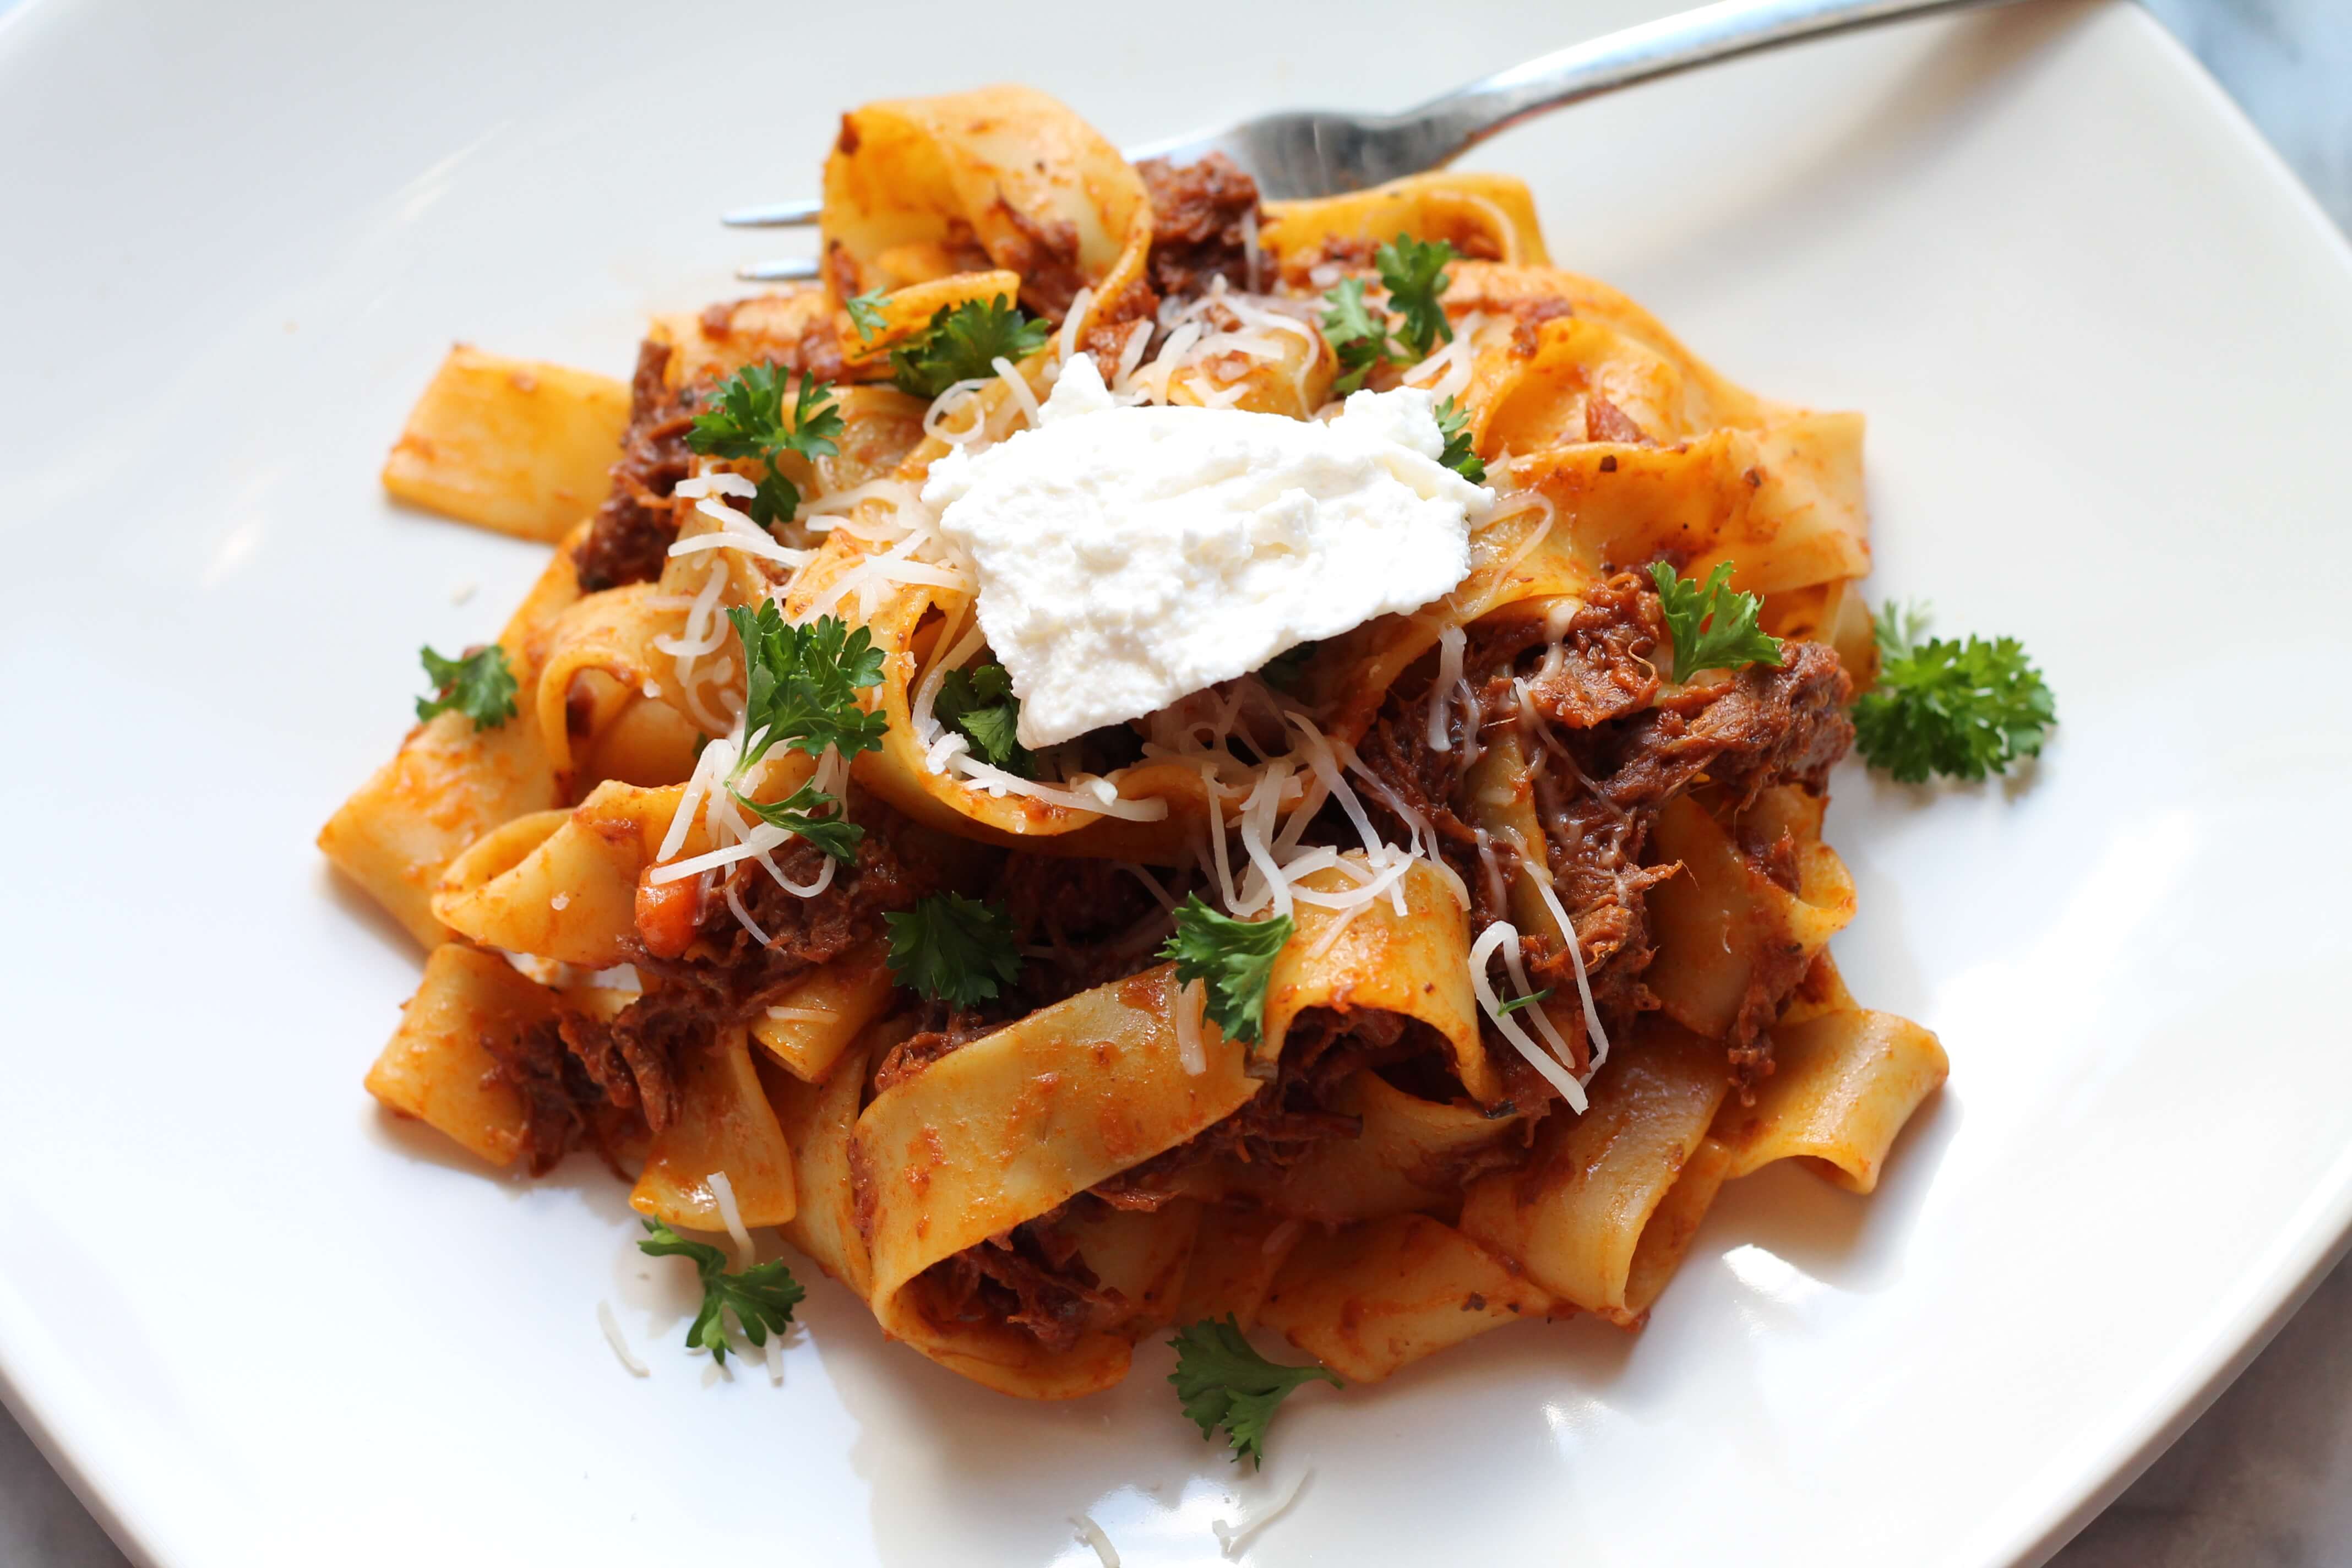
column 1129, row 556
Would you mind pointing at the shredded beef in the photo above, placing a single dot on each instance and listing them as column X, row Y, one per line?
column 1605, row 421
column 631, row 1062
column 558, row 1096
column 1283, row 1121
column 1031, row 1277
column 635, row 528
column 1202, row 215
column 1608, row 755
column 1045, row 254
column 1594, row 670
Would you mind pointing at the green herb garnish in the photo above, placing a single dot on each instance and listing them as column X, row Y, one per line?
column 798, row 813
column 866, row 313
column 963, row 342
column 745, row 421
column 959, row 951
column 1454, row 424
column 979, row 702
column 1962, row 710
column 762, row 1297
column 1222, row 1381
column 1729, row 636
column 1414, row 272
column 802, row 683
column 478, row 685
column 1233, row 958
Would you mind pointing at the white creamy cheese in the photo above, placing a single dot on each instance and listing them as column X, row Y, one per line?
column 1130, row 555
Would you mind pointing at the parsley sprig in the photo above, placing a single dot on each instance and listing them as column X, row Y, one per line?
column 1222, row 1381
column 1531, row 999
column 957, row 950
column 1414, row 272
column 745, row 421
column 1454, row 424
column 762, row 1297
column 1235, row 958
column 1729, row 636
column 963, row 342
column 1962, row 710
column 866, row 313
column 801, row 685
column 812, row 814
column 979, row 702
column 478, row 685
column 1358, row 333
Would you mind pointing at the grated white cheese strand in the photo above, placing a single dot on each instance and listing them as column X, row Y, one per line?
column 1189, row 1002
column 775, row 1349
column 732, row 1217
column 945, row 406
column 1089, row 1532
column 1020, row 388
column 1598, row 1036
column 1544, row 1025
column 1232, row 1537
column 1080, row 303
column 615, row 1338
column 718, row 481
column 1449, row 644
column 1558, row 1077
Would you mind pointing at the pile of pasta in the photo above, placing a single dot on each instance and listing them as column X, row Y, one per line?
column 608, row 970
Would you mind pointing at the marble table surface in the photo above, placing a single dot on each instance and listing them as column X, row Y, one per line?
column 2263, row 1479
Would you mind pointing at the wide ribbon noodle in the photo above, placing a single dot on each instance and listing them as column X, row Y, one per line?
column 1559, row 962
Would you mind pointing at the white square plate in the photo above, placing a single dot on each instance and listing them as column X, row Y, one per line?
column 2105, row 347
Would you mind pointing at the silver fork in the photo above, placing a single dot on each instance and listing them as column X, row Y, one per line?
column 1321, row 153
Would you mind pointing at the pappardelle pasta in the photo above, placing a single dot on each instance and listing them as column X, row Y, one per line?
column 990, row 785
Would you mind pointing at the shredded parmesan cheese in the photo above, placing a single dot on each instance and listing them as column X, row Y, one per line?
column 1449, row 644
column 1189, row 1002
column 723, row 1191
column 613, row 1337
column 1089, row 1532
column 1496, row 935
column 1232, row 1537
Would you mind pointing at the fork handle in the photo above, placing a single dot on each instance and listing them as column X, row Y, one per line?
column 1462, row 119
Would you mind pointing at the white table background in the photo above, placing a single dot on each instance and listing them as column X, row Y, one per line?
column 2263, row 1479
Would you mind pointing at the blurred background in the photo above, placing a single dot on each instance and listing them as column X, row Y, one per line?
column 2264, row 1479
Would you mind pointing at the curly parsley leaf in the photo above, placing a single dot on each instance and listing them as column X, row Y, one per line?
column 957, row 950
column 777, row 499
column 1530, row 1000
column 1415, row 272
column 1234, row 958
column 979, row 702
column 762, row 1297
column 1962, row 710
column 1220, row 1381
column 866, row 313
column 963, row 342
column 1454, row 424
column 797, row 813
column 478, row 685
column 1359, row 334
column 803, row 683
column 742, row 417
column 1729, row 636
column 744, row 420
